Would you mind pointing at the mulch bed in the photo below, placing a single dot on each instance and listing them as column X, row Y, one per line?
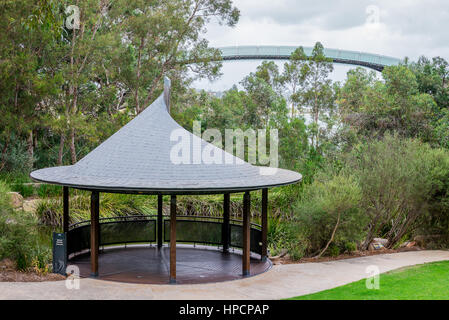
column 356, row 254
column 8, row 273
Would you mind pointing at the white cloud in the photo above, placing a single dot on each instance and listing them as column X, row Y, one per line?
column 406, row 27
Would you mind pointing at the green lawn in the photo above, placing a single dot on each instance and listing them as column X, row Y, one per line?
column 425, row 281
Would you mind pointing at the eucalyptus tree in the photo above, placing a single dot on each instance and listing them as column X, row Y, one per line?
column 318, row 95
column 432, row 76
column 264, row 103
column 27, row 30
column 82, row 43
column 164, row 37
column 294, row 78
column 372, row 107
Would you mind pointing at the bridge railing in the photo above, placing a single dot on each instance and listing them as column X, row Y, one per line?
column 284, row 52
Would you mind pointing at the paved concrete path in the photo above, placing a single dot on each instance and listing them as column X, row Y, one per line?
column 282, row 281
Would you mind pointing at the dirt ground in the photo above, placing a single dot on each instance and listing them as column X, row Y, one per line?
column 9, row 274
column 287, row 260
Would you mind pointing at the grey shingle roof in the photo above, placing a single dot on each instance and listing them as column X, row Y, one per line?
column 137, row 159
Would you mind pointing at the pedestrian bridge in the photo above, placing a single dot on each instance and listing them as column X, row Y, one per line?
column 373, row 61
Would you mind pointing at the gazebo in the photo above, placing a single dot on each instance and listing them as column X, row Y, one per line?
column 138, row 159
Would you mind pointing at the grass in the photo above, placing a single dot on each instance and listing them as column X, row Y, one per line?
column 422, row 282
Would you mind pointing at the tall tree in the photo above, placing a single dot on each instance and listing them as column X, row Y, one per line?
column 162, row 37
column 264, row 103
column 318, row 94
column 80, row 48
column 27, row 32
column 294, row 77
column 373, row 107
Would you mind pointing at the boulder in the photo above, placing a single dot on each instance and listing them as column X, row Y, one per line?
column 383, row 242
column 408, row 244
column 411, row 244
column 376, row 245
column 16, row 199
column 7, row 265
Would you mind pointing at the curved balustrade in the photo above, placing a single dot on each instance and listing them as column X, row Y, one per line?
column 373, row 61
column 143, row 229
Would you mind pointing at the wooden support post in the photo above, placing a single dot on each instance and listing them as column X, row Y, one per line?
column 264, row 254
column 225, row 231
column 65, row 212
column 246, row 233
column 173, row 239
column 94, row 232
column 159, row 222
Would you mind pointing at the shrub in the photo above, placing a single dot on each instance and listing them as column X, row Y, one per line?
column 49, row 211
column 334, row 250
column 283, row 235
column 5, row 200
column 19, row 239
column 329, row 213
column 435, row 221
column 49, row 190
column 26, row 190
column 350, row 247
column 398, row 179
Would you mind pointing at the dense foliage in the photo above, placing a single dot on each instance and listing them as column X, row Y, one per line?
column 19, row 237
column 373, row 150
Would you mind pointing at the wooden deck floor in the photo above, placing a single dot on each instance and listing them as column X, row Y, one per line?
column 150, row 265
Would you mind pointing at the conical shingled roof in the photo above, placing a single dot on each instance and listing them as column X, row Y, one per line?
column 137, row 159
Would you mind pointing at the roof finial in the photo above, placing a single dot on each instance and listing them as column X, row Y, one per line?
column 167, row 85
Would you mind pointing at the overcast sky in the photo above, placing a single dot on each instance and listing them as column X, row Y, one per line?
column 396, row 28
column 392, row 27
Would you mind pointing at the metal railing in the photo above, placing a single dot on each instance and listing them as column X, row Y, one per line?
column 143, row 229
column 374, row 61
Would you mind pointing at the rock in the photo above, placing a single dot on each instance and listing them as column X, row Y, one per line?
column 408, row 244
column 375, row 246
column 383, row 242
column 7, row 265
column 404, row 244
column 411, row 244
column 30, row 205
column 16, row 199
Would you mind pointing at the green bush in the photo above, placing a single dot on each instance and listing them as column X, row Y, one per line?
column 435, row 221
column 333, row 250
column 401, row 181
column 49, row 211
column 26, row 190
column 350, row 247
column 391, row 188
column 49, row 190
column 326, row 215
column 5, row 200
column 329, row 214
column 283, row 235
column 19, row 238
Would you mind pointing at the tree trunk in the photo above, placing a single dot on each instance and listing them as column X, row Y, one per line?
column 4, row 151
column 61, row 149
column 30, row 150
column 136, row 92
column 35, row 139
column 72, row 145
column 331, row 239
